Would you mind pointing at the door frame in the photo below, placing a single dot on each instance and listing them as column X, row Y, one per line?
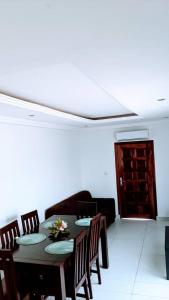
column 119, row 192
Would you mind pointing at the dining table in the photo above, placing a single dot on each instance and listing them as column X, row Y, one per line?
column 38, row 270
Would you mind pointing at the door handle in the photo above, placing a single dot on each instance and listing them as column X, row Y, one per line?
column 121, row 181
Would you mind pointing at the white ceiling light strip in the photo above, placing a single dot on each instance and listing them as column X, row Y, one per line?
column 6, row 99
column 33, row 108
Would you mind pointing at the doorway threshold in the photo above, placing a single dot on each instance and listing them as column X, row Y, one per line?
column 136, row 219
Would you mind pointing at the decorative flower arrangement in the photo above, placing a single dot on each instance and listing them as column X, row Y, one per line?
column 59, row 229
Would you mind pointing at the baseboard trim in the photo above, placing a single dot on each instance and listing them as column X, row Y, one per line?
column 162, row 218
column 158, row 218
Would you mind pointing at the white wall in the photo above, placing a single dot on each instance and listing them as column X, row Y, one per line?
column 38, row 167
column 98, row 161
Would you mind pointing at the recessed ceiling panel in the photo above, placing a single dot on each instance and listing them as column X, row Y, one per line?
column 123, row 45
column 63, row 87
column 17, row 113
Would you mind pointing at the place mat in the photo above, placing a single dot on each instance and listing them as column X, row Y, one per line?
column 61, row 247
column 30, row 239
column 47, row 224
column 83, row 222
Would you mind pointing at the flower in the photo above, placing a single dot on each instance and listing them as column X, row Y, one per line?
column 59, row 227
column 63, row 225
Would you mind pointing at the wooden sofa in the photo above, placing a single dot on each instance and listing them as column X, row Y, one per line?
column 106, row 206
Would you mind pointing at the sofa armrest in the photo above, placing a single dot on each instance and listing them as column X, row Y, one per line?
column 106, row 206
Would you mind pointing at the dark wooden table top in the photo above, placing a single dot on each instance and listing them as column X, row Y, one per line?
column 35, row 254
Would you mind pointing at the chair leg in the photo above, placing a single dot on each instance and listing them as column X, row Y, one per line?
column 86, row 290
column 1, row 289
column 74, row 296
column 89, row 285
column 98, row 271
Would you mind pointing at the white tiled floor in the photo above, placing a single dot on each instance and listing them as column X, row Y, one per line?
column 137, row 263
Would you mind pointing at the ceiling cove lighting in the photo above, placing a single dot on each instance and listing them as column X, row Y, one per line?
column 34, row 107
column 6, row 99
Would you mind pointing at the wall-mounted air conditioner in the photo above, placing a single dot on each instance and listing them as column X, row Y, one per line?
column 132, row 135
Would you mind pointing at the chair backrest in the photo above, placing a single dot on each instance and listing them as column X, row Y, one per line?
column 30, row 222
column 80, row 258
column 93, row 238
column 7, row 265
column 8, row 235
column 85, row 209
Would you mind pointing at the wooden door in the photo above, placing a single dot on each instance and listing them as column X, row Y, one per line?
column 135, row 172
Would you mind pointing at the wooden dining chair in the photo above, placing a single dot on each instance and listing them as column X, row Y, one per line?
column 75, row 271
column 85, row 209
column 30, row 222
column 77, row 276
column 93, row 251
column 9, row 286
column 7, row 265
column 8, row 235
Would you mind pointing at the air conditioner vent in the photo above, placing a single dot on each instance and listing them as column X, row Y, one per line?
column 132, row 135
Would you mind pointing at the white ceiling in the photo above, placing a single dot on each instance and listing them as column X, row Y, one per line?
column 91, row 58
column 64, row 87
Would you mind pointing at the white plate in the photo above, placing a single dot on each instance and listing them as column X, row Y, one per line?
column 61, row 247
column 47, row 224
column 30, row 239
column 83, row 222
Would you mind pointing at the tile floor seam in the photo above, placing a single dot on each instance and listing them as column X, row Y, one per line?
column 154, row 297
column 146, row 229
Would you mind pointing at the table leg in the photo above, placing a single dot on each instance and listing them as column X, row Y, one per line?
column 167, row 250
column 61, row 289
column 104, row 245
column 167, row 262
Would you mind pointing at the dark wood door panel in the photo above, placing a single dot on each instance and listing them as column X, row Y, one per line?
column 135, row 173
